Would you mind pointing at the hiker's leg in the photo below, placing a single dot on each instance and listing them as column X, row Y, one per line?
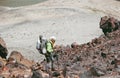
column 48, row 65
column 52, row 61
column 55, row 56
column 47, row 58
column 52, row 67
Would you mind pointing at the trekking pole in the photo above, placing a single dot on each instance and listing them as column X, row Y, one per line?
column 57, row 60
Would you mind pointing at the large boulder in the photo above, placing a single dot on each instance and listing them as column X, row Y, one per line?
column 16, row 66
column 40, row 74
column 16, row 70
column 109, row 24
column 16, row 56
column 3, row 49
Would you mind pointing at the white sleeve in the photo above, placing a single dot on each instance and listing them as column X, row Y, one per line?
column 38, row 44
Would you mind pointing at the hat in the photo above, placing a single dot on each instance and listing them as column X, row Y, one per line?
column 43, row 38
column 53, row 37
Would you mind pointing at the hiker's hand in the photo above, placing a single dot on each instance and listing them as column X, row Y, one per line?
column 55, row 50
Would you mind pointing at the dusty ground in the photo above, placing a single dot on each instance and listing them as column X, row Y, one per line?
column 70, row 21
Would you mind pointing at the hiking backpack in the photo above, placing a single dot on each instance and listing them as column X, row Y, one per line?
column 41, row 46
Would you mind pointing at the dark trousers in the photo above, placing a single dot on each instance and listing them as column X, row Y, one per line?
column 49, row 58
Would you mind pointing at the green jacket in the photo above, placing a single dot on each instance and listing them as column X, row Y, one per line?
column 49, row 47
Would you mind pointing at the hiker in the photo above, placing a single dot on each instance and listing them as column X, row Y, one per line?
column 41, row 44
column 45, row 47
column 50, row 51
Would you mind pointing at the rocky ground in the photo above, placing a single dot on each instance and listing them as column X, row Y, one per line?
column 99, row 58
column 91, row 56
column 20, row 26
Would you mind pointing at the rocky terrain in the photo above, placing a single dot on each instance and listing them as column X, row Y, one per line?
column 82, row 48
column 20, row 26
column 99, row 58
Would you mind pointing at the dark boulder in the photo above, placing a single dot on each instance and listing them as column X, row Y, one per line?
column 36, row 74
column 16, row 56
column 109, row 24
column 3, row 49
